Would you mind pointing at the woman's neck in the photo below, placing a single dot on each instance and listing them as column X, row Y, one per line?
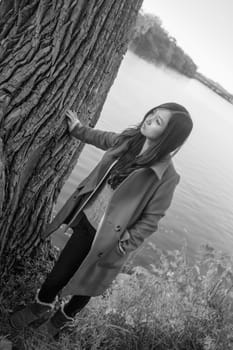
column 146, row 145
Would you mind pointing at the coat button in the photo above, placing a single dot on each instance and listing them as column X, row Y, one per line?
column 117, row 228
column 99, row 255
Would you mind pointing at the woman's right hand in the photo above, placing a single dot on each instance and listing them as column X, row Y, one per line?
column 72, row 119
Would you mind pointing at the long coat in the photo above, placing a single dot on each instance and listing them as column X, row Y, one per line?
column 131, row 216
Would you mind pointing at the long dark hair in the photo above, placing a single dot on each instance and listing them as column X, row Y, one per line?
column 169, row 143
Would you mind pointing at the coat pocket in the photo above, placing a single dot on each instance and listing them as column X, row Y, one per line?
column 115, row 258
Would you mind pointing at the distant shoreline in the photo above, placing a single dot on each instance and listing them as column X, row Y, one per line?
column 154, row 44
column 214, row 86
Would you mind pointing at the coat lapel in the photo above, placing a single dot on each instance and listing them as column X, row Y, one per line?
column 96, row 176
column 128, row 198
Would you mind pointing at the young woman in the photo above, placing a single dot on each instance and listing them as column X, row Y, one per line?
column 112, row 211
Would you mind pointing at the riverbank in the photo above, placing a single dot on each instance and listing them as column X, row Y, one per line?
column 176, row 307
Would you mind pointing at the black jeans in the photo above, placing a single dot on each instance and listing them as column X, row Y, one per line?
column 68, row 262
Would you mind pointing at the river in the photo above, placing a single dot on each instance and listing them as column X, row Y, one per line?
column 201, row 211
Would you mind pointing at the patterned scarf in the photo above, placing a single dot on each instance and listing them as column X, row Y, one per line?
column 125, row 165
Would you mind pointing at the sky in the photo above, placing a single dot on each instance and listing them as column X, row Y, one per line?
column 204, row 30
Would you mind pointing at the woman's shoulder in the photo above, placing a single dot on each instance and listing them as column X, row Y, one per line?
column 171, row 172
column 165, row 169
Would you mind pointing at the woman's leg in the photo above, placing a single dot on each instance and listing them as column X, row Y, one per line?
column 69, row 260
column 65, row 314
column 76, row 304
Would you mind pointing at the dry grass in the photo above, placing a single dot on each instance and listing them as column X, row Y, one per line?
column 176, row 307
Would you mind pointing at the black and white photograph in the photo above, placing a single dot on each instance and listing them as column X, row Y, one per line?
column 116, row 175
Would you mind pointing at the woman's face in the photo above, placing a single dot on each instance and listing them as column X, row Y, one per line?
column 155, row 123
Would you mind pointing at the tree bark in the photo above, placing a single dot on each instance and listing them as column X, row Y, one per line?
column 54, row 55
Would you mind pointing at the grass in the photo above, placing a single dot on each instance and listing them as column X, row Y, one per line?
column 177, row 306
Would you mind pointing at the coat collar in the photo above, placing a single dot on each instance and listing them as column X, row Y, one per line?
column 160, row 167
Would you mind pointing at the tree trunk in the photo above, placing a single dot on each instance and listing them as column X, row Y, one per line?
column 54, row 55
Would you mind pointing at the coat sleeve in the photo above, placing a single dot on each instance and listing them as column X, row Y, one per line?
column 154, row 211
column 98, row 138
